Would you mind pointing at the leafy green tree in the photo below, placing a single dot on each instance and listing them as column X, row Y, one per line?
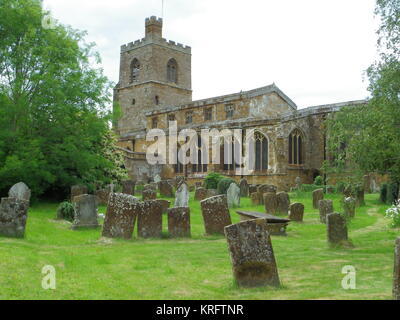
column 54, row 105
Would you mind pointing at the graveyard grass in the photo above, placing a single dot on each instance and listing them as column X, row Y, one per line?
column 89, row 267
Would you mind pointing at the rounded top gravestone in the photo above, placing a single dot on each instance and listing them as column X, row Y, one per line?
column 20, row 191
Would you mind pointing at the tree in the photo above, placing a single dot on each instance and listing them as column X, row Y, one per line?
column 366, row 138
column 54, row 105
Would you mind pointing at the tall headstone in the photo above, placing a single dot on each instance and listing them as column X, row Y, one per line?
column 252, row 255
column 233, row 196
column 296, row 212
column 270, row 203
column 149, row 195
column 317, row 196
column 179, row 222
column 85, row 212
column 283, row 203
column 349, row 207
column 166, row 189
column 396, row 271
column 336, row 226
column 182, row 196
column 122, row 211
column 244, row 188
column 20, row 191
column 200, row 194
column 150, row 220
column 128, row 187
column 216, row 214
column 13, row 217
column 78, row 191
column 325, row 207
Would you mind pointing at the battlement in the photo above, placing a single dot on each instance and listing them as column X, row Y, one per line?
column 154, row 20
column 162, row 42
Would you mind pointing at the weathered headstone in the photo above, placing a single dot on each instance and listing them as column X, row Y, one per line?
column 255, row 199
column 297, row 181
column 85, row 212
column 182, row 196
column 396, row 271
column 296, row 212
column 166, row 189
column 150, row 220
column 349, row 207
column 265, row 188
column 20, row 191
column 13, row 217
column 128, row 187
column 325, row 207
column 270, row 203
column 122, row 211
column 78, row 191
column 216, row 214
column 252, row 255
column 179, row 222
column 336, row 226
column 102, row 196
column 317, row 196
column 244, row 188
column 283, row 203
column 157, row 179
column 252, row 188
column 149, row 195
column 200, row 194
column 165, row 205
column 233, row 196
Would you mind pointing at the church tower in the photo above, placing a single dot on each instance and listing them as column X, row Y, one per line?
column 154, row 73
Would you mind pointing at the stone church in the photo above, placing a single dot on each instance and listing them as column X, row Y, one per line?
column 155, row 88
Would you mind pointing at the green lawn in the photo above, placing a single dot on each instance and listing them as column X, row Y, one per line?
column 89, row 267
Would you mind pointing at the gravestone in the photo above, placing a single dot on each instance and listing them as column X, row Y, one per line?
column 182, row 196
column 179, row 180
column 349, row 207
column 102, row 196
column 85, row 212
column 297, row 181
column 149, row 194
column 179, row 222
column 265, row 188
column 283, row 203
column 337, row 228
column 200, row 194
column 157, row 179
column 78, row 191
column 128, row 187
column 13, row 217
column 296, row 212
column 233, row 196
column 255, row 199
column 166, row 189
column 252, row 188
column 360, row 201
column 20, row 191
column 276, row 226
column 150, row 219
column 244, row 188
column 325, row 208
column 165, row 205
column 122, row 211
column 396, row 271
column 317, row 196
column 270, row 203
column 252, row 255
column 216, row 214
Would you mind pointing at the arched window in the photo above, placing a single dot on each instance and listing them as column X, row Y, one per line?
column 135, row 70
column 199, row 167
column 172, row 71
column 296, row 148
column 230, row 153
column 258, row 152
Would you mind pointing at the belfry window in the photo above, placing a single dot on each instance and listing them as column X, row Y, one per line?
column 296, row 148
column 135, row 70
column 172, row 71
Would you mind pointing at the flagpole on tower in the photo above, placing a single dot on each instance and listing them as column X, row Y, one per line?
column 162, row 9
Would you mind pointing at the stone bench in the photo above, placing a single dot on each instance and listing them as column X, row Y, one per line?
column 276, row 225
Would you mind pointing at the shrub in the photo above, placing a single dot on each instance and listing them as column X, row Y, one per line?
column 224, row 184
column 383, row 193
column 212, row 180
column 319, row 181
column 66, row 211
column 394, row 214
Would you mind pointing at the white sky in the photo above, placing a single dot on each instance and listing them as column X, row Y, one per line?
column 316, row 51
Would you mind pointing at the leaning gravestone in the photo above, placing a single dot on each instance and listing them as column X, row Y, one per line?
column 200, row 194
column 166, row 189
column 270, row 203
column 252, row 255
column 283, row 203
column 336, row 226
column 85, row 212
column 149, row 195
column 13, row 216
column 128, row 187
column 396, row 272
column 20, row 191
column 325, row 207
column 150, row 220
column 317, row 196
column 233, row 196
column 244, row 188
column 182, row 196
column 78, row 191
column 216, row 214
column 179, row 222
column 349, row 207
column 296, row 212
column 122, row 211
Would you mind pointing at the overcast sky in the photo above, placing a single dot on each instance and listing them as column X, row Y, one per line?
column 316, row 51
